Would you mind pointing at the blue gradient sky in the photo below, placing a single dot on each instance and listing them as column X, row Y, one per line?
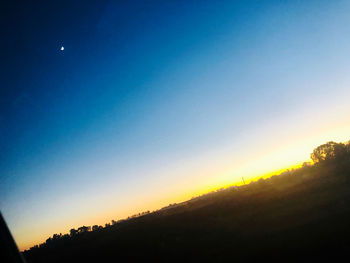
column 152, row 102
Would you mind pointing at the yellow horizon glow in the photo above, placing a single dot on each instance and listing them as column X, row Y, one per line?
column 179, row 199
column 275, row 161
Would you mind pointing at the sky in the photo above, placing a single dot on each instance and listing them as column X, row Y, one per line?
column 154, row 102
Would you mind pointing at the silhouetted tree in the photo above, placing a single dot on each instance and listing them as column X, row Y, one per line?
column 84, row 229
column 56, row 236
column 73, row 232
column 49, row 240
column 328, row 151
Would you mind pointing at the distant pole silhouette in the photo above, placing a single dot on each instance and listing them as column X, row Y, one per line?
column 243, row 180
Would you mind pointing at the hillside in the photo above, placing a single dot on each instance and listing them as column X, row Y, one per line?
column 297, row 215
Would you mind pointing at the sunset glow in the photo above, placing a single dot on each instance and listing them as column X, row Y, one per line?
column 135, row 114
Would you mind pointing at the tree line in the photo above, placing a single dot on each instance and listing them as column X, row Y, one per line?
column 80, row 231
column 296, row 212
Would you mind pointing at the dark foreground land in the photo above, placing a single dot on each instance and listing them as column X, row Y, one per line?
column 299, row 215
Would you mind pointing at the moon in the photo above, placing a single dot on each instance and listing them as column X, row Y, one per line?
column 62, row 48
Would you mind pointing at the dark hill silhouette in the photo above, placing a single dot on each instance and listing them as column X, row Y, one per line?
column 301, row 214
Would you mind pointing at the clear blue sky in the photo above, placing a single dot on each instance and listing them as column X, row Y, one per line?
column 151, row 99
